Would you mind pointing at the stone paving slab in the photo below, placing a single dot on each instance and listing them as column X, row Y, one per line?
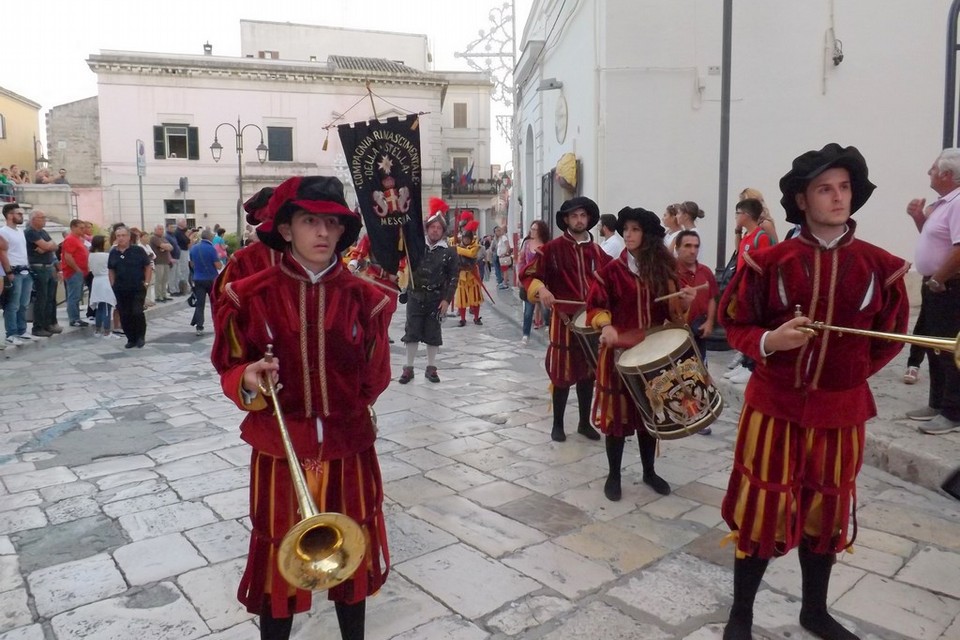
column 160, row 612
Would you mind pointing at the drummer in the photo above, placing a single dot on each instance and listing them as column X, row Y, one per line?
column 621, row 306
column 559, row 276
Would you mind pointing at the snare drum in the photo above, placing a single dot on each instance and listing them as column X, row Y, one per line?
column 588, row 337
column 669, row 383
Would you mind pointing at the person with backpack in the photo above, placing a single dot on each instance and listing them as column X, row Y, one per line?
column 747, row 216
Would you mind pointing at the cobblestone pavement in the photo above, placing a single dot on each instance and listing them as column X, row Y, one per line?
column 123, row 499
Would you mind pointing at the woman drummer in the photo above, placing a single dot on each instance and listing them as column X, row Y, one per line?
column 621, row 306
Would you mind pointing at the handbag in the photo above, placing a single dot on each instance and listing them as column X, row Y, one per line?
column 506, row 261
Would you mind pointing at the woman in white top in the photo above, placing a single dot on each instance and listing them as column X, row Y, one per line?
column 672, row 225
column 138, row 237
column 690, row 212
column 101, row 293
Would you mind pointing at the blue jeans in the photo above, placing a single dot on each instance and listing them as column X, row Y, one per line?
column 104, row 315
column 74, row 287
column 528, row 309
column 496, row 269
column 15, row 311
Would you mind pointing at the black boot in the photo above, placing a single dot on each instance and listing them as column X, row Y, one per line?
column 815, row 569
column 584, row 399
column 648, row 454
column 274, row 628
column 560, row 395
column 351, row 619
column 611, row 488
column 747, row 574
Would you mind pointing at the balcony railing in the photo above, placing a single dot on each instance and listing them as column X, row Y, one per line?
column 477, row 187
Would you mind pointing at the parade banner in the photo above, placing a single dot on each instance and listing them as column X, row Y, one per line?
column 385, row 166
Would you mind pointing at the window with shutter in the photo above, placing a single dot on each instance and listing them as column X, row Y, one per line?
column 176, row 141
column 280, row 144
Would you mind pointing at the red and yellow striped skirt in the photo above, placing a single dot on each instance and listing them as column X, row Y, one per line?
column 468, row 291
column 566, row 361
column 351, row 486
column 790, row 482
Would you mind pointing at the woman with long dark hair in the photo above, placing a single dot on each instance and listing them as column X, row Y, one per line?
column 538, row 235
column 622, row 305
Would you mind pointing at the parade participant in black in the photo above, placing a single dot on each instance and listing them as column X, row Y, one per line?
column 429, row 294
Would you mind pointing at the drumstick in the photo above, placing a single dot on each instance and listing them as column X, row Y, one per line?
column 558, row 301
column 677, row 293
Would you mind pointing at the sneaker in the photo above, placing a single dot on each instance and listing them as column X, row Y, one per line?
column 24, row 337
column 462, row 323
column 706, row 431
column 55, row 328
column 911, row 375
column 740, row 376
column 524, row 340
column 406, row 376
column 79, row 323
column 114, row 336
column 923, row 415
column 199, row 331
column 431, row 374
column 477, row 321
column 734, row 371
column 15, row 341
column 736, row 361
column 939, row 426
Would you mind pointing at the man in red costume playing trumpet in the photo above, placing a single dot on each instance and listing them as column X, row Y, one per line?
column 800, row 439
column 318, row 317
column 560, row 276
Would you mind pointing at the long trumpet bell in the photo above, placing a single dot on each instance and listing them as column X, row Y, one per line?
column 322, row 549
column 929, row 342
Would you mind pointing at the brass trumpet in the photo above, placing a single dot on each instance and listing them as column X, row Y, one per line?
column 322, row 549
column 929, row 342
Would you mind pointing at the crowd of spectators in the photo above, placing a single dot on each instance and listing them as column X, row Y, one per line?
column 119, row 274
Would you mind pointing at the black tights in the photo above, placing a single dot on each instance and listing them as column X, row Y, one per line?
column 350, row 617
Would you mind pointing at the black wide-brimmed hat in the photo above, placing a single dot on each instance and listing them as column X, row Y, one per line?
column 808, row 166
column 256, row 206
column 321, row 195
column 649, row 221
column 580, row 202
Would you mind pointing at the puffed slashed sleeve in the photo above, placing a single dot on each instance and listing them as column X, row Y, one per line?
column 376, row 376
column 533, row 275
column 598, row 304
column 894, row 317
column 742, row 302
column 231, row 353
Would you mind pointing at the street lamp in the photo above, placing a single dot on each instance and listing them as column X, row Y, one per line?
column 39, row 162
column 216, row 150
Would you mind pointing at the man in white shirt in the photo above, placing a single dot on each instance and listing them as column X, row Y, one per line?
column 612, row 243
column 17, row 277
column 938, row 261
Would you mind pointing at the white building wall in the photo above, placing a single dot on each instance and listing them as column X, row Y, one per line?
column 130, row 109
column 653, row 135
column 301, row 41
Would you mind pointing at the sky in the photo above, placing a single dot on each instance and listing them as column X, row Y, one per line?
column 47, row 43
